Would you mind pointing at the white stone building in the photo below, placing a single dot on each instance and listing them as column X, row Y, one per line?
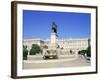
column 66, row 44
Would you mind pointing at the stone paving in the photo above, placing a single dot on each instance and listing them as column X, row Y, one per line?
column 80, row 61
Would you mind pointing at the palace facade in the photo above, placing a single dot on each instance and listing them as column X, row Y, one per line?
column 67, row 44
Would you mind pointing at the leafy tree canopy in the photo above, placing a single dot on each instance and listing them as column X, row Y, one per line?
column 87, row 52
column 25, row 52
column 35, row 49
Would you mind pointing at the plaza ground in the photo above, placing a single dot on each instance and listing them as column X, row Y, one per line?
column 37, row 63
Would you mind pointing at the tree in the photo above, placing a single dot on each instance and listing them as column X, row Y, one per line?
column 89, row 51
column 35, row 49
column 25, row 52
column 86, row 51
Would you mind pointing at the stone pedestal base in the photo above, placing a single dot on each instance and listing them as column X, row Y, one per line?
column 53, row 46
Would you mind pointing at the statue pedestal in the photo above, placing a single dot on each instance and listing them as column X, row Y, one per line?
column 53, row 41
column 53, row 38
column 53, row 46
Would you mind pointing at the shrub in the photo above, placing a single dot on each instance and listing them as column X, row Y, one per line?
column 82, row 52
column 45, row 46
column 87, row 52
column 35, row 49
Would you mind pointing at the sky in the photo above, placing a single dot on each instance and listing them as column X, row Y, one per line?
column 37, row 24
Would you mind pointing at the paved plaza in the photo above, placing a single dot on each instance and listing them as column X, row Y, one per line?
column 37, row 63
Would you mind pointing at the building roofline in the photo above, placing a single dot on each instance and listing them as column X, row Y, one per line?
column 66, row 39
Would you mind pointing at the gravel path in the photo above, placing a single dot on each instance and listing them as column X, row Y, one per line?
column 79, row 62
